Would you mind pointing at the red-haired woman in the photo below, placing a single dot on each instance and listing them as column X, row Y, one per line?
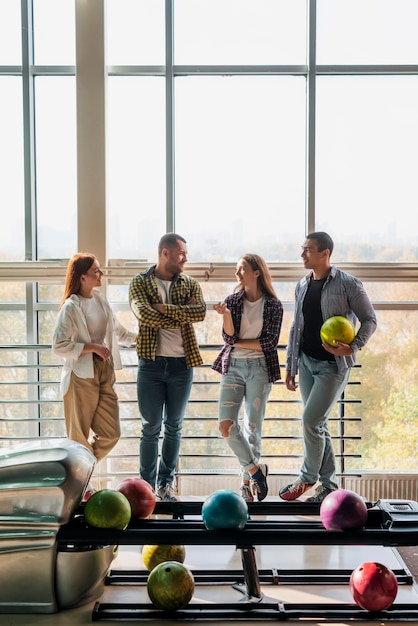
column 86, row 335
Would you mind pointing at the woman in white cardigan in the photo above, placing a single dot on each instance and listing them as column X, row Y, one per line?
column 86, row 335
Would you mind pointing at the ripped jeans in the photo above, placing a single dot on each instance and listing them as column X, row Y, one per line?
column 246, row 380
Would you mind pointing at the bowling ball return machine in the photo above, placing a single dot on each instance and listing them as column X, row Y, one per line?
column 50, row 560
column 41, row 486
column 390, row 523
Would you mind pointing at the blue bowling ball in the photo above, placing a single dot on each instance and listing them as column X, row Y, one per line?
column 224, row 509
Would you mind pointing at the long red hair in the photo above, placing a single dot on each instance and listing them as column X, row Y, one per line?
column 78, row 265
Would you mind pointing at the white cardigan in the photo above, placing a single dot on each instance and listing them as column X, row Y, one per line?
column 71, row 334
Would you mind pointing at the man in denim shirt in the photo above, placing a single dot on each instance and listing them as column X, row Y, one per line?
column 323, row 369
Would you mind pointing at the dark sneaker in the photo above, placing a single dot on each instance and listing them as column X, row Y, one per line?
column 321, row 493
column 246, row 493
column 259, row 485
column 166, row 493
column 294, row 490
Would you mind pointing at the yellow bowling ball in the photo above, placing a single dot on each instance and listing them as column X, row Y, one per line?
column 337, row 328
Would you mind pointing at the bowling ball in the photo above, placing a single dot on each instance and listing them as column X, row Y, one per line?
column 107, row 508
column 337, row 328
column 343, row 509
column 154, row 555
column 141, row 496
column 170, row 586
column 224, row 509
column 373, row 586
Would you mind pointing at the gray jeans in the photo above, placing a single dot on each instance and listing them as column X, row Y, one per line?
column 320, row 385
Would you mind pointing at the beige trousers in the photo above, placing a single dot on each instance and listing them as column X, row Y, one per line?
column 91, row 409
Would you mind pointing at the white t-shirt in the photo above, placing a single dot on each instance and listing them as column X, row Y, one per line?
column 169, row 340
column 95, row 318
column 251, row 327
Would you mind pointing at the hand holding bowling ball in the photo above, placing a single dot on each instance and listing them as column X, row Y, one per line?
column 373, row 586
column 337, row 328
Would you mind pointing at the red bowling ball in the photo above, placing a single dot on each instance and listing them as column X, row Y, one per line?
column 141, row 496
column 343, row 509
column 373, row 586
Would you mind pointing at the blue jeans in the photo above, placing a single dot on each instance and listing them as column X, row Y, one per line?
column 320, row 386
column 246, row 380
column 163, row 388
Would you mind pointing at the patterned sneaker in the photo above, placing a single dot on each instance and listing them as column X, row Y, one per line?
column 321, row 493
column 294, row 490
column 259, row 485
column 246, row 493
column 166, row 493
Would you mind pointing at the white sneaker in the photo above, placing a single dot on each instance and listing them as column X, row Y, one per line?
column 166, row 493
column 320, row 494
column 246, row 493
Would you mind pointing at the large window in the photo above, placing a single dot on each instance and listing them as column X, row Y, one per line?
column 242, row 125
column 56, row 167
column 383, row 32
column 366, row 157
column 240, row 164
column 136, row 148
column 238, row 32
column 12, row 199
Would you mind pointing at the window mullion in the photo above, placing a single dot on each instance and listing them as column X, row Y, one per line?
column 310, row 118
column 169, row 104
column 28, row 89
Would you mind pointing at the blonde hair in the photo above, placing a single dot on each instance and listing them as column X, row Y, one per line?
column 264, row 281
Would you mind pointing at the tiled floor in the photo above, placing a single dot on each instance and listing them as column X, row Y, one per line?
column 218, row 558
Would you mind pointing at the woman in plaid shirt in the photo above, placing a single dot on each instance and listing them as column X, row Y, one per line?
column 249, row 364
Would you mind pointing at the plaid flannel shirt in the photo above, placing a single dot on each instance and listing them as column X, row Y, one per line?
column 143, row 293
column 269, row 337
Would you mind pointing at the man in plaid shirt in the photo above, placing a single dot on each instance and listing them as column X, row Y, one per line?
column 166, row 303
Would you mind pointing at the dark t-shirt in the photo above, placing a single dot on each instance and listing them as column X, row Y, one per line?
column 311, row 340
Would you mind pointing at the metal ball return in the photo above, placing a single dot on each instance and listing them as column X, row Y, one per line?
column 41, row 486
column 50, row 560
column 390, row 523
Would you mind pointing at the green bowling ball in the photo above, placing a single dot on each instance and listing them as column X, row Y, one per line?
column 337, row 328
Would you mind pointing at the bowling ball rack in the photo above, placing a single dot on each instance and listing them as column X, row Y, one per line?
column 390, row 523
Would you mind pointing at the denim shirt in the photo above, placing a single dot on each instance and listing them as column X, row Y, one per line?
column 342, row 294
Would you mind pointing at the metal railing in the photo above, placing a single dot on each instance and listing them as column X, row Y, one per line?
column 30, row 408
